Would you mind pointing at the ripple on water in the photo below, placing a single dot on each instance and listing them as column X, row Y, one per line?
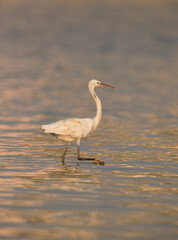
column 46, row 62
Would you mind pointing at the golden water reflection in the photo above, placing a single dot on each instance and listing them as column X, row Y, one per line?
column 49, row 52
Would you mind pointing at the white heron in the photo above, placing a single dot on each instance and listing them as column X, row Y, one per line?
column 74, row 129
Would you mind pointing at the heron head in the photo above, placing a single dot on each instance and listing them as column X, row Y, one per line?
column 96, row 83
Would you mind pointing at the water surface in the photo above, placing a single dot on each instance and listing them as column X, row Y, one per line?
column 49, row 52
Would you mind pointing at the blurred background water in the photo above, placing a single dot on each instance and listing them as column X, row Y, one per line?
column 49, row 51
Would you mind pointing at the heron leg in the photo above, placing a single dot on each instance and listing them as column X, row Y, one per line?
column 78, row 153
column 63, row 155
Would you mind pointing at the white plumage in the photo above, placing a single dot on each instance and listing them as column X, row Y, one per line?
column 73, row 129
column 70, row 129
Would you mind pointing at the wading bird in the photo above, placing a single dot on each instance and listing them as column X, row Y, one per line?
column 73, row 129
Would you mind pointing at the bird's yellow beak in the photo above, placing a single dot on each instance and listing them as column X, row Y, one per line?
column 108, row 86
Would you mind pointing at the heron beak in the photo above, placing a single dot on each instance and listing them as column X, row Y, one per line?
column 105, row 85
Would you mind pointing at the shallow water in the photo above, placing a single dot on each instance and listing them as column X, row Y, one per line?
column 49, row 52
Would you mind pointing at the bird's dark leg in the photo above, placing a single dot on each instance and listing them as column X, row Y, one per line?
column 95, row 160
column 78, row 154
column 63, row 155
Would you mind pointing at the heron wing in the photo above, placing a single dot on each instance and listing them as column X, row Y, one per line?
column 74, row 127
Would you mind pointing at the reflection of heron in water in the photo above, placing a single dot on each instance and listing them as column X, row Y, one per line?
column 73, row 129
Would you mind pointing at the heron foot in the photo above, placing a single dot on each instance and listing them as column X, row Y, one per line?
column 98, row 161
column 62, row 160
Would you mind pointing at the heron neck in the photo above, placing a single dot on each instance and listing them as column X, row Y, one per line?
column 97, row 118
